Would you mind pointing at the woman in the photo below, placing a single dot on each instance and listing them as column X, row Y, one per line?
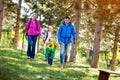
column 33, row 30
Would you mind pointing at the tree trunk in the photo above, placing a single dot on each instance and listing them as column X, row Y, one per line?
column 113, row 64
column 23, row 33
column 96, row 47
column 1, row 16
column 15, row 44
column 87, row 56
column 77, row 25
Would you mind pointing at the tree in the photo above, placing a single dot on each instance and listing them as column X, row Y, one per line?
column 96, row 47
column 1, row 16
column 17, row 25
column 115, row 48
column 77, row 26
column 101, row 9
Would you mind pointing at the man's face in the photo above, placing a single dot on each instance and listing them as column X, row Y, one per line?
column 67, row 20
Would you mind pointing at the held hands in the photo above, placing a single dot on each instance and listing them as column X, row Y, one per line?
column 40, row 36
column 60, row 43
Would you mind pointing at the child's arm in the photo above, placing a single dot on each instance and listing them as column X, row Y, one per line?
column 56, row 43
column 47, row 43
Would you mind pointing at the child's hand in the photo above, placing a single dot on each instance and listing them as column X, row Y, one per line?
column 47, row 43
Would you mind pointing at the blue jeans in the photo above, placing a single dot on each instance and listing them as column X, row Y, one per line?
column 50, row 58
column 31, row 46
column 64, row 48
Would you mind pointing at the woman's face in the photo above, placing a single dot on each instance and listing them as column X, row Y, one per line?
column 34, row 16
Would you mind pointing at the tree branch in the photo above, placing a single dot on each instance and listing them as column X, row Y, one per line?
column 92, row 3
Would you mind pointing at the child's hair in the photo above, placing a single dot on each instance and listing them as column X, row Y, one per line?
column 54, row 32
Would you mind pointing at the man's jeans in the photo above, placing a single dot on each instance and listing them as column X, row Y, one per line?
column 64, row 48
column 31, row 46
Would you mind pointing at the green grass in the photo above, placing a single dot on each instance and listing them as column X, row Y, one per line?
column 14, row 65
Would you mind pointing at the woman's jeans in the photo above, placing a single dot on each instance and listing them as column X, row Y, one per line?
column 64, row 48
column 31, row 45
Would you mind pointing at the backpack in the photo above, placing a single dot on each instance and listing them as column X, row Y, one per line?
column 46, row 37
column 70, row 26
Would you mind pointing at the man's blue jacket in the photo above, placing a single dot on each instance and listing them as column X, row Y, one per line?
column 66, row 32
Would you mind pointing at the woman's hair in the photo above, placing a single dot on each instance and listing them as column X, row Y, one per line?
column 34, row 14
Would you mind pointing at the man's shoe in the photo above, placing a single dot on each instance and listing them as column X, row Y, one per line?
column 64, row 65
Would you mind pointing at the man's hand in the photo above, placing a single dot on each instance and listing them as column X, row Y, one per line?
column 73, row 40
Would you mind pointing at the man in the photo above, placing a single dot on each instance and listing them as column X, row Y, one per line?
column 66, row 33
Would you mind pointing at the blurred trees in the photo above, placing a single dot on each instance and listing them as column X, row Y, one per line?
column 16, row 38
column 1, row 15
column 77, row 8
column 9, row 16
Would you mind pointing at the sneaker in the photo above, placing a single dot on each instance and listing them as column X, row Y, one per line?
column 61, row 66
column 28, row 57
column 31, row 58
column 64, row 65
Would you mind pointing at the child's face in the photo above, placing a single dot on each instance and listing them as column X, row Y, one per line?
column 50, row 30
column 53, row 34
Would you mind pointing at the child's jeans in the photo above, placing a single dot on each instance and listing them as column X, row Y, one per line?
column 49, row 55
column 50, row 58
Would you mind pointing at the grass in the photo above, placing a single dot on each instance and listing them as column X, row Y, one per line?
column 14, row 65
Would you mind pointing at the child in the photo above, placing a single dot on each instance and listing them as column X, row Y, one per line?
column 48, row 35
column 50, row 48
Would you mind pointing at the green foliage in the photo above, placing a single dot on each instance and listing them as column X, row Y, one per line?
column 118, row 56
column 15, row 65
column 7, row 39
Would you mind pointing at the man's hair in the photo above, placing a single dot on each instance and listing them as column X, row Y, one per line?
column 67, row 17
